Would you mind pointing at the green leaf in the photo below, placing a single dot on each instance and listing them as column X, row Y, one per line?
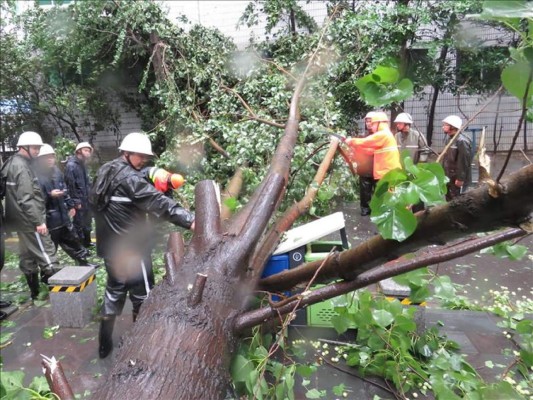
column 386, row 74
column 498, row 391
column 517, row 251
column 5, row 337
column 419, row 294
column 340, row 323
column 515, row 78
column 241, row 368
column 381, row 87
column 407, row 194
column 430, row 188
column 305, row 370
column 527, row 357
column 315, row 394
column 418, row 277
column 444, row 288
column 39, row 384
column 396, row 223
column 525, row 327
column 231, row 203
column 50, row 331
column 405, row 324
column 339, row 389
column 12, row 383
column 383, row 318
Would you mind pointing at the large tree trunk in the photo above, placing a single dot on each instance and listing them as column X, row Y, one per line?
column 183, row 339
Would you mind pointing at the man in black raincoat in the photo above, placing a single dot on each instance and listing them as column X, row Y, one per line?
column 121, row 198
column 78, row 184
column 60, row 208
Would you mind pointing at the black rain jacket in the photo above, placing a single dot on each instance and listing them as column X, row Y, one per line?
column 77, row 180
column 121, row 198
column 456, row 161
column 56, row 208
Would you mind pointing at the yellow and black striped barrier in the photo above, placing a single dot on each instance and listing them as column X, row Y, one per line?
column 73, row 289
column 406, row 301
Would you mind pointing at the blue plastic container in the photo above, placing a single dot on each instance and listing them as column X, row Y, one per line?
column 276, row 264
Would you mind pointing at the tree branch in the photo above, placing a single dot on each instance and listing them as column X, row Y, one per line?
column 475, row 211
column 207, row 219
column 218, row 148
column 396, row 267
column 253, row 115
column 271, row 239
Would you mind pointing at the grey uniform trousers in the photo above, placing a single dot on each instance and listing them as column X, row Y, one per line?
column 37, row 252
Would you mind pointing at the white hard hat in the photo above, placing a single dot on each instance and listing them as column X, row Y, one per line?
column 83, row 145
column 404, row 118
column 46, row 149
column 369, row 114
column 30, row 138
column 454, row 121
column 136, row 142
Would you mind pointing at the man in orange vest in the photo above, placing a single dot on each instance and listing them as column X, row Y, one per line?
column 381, row 144
column 363, row 162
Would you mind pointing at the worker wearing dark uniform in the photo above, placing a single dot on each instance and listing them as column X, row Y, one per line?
column 60, row 208
column 457, row 159
column 78, row 184
column 122, row 198
column 25, row 213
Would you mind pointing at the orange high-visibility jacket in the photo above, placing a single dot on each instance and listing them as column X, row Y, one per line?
column 384, row 147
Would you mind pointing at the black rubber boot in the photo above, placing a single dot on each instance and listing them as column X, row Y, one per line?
column 105, row 336
column 84, row 263
column 33, row 283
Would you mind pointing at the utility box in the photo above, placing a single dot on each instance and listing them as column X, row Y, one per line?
column 73, row 296
column 320, row 249
column 300, row 245
column 296, row 240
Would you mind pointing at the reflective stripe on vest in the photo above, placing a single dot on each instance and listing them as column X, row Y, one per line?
column 386, row 149
column 119, row 199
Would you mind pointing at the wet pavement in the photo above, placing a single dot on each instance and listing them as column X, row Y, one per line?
column 476, row 332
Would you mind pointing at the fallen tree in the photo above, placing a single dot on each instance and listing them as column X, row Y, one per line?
column 182, row 342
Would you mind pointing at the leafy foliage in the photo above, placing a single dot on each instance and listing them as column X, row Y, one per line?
column 257, row 373
column 12, row 387
column 398, row 190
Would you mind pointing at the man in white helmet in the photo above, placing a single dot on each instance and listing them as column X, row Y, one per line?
column 60, row 208
column 457, row 159
column 122, row 198
column 410, row 139
column 25, row 213
column 78, row 184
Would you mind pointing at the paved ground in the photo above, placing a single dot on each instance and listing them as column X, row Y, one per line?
column 476, row 332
